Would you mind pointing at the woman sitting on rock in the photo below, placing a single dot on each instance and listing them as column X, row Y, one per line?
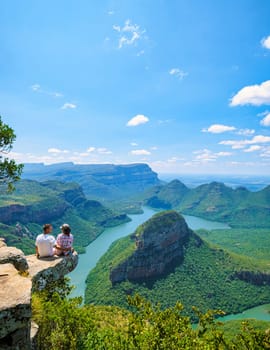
column 64, row 241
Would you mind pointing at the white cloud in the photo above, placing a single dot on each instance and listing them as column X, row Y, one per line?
column 56, row 155
column 254, row 95
column 130, row 33
column 266, row 120
column 239, row 144
column 266, row 42
column 223, row 154
column 218, row 128
column 111, row 12
column 205, row 155
column 57, row 151
column 137, row 120
column 140, row 152
column 174, row 160
column 91, row 149
column 35, row 87
column 117, row 28
column 266, row 152
column 83, row 154
column 262, row 114
column 153, row 148
column 245, row 132
column 69, row 105
column 133, row 144
column 164, row 121
column 179, row 73
column 56, row 94
column 252, row 148
column 140, row 53
column 103, row 150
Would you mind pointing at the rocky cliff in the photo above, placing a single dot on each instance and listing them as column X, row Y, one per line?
column 158, row 248
column 100, row 181
column 257, row 278
column 20, row 275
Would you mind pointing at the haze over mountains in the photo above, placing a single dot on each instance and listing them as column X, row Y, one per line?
column 100, row 181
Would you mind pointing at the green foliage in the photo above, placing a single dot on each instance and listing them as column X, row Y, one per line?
column 206, row 278
column 10, row 172
column 13, row 239
column 64, row 324
column 155, row 225
column 252, row 242
column 56, row 203
column 232, row 328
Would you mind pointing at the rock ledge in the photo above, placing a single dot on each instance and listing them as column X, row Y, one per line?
column 20, row 275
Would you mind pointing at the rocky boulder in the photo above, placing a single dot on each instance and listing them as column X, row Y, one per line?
column 14, row 256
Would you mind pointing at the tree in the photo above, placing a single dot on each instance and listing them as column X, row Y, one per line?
column 10, row 172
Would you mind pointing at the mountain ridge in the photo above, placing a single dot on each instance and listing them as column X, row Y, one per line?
column 99, row 181
column 214, row 201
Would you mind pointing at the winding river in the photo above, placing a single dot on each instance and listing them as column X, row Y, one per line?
column 101, row 244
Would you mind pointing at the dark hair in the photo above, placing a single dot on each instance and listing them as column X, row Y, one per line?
column 66, row 230
column 46, row 227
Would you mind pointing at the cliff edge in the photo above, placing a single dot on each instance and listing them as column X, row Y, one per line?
column 20, row 275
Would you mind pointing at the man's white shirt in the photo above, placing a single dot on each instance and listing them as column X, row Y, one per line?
column 45, row 243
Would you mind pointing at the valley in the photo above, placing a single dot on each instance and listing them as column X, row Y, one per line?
column 229, row 247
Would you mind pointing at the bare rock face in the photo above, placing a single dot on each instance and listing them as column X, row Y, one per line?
column 19, row 276
column 15, row 308
column 14, row 256
column 46, row 270
column 159, row 248
column 2, row 242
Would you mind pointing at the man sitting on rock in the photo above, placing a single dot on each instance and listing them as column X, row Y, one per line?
column 45, row 242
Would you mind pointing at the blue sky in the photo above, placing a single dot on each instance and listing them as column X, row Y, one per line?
column 181, row 85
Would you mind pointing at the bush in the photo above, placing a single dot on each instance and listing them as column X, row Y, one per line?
column 66, row 324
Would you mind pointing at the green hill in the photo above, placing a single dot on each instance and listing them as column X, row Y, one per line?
column 33, row 203
column 215, row 201
column 145, row 263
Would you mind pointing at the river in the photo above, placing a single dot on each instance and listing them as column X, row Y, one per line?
column 101, row 244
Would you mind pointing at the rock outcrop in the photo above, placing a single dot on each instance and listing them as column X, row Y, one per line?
column 159, row 247
column 46, row 270
column 11, row 255
column 19, row 276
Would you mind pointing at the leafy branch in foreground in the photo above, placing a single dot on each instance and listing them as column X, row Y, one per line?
column 10, row 172
column 66, row 324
